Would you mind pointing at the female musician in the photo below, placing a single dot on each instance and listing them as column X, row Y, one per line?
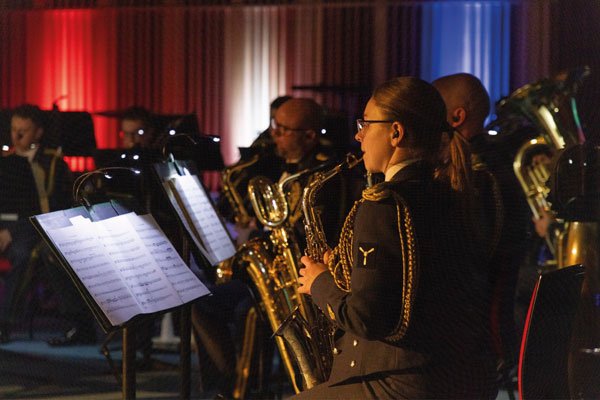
column 402, row 291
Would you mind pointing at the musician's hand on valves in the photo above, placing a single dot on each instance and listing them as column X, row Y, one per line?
column 309, row 273
column 542, row 224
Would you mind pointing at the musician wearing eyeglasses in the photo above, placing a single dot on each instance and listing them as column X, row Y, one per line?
column 296, row 132
column 137, row 128
column 399, row 285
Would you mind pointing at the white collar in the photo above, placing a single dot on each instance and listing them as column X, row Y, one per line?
column 393, row 169
column 29, row 154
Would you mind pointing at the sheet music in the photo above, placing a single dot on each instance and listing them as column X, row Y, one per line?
column 126, row 263
column 203, row 218
column 140, row 271
column 60, row 219
column 187, row 285
column 170, row 190
column 87, row 257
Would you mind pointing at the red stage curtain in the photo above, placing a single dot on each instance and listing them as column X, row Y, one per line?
column 223, row 63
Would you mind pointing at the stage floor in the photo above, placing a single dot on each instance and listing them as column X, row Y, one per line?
column 31, row 369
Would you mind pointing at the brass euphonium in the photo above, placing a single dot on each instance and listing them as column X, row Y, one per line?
column 532, row 168
column 549, row 108
column 576, row 199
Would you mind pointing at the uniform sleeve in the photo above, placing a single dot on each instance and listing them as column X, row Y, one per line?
column 372, row 309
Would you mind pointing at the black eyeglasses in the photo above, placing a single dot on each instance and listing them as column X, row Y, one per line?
column 281, row 130
column 363, row 123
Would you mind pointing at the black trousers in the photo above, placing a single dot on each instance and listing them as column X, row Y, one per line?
column 378, row 386
column 409, row 384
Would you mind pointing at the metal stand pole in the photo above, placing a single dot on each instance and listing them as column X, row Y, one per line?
column 185, row 350
column 185, row 328
column 128, row 388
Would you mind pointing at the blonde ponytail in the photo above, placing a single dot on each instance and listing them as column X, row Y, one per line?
column 456, row 167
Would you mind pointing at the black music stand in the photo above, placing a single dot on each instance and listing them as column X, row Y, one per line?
column 96, row 213
column 203, row 150
column 192, row 238
column 5, row 128
column 73, row 131
column 96, row 210
column 543, row 362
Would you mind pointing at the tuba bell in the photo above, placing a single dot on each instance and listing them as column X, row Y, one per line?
column 547, row 108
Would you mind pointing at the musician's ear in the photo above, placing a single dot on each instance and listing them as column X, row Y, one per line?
column 459, row 115
column 397, row 133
